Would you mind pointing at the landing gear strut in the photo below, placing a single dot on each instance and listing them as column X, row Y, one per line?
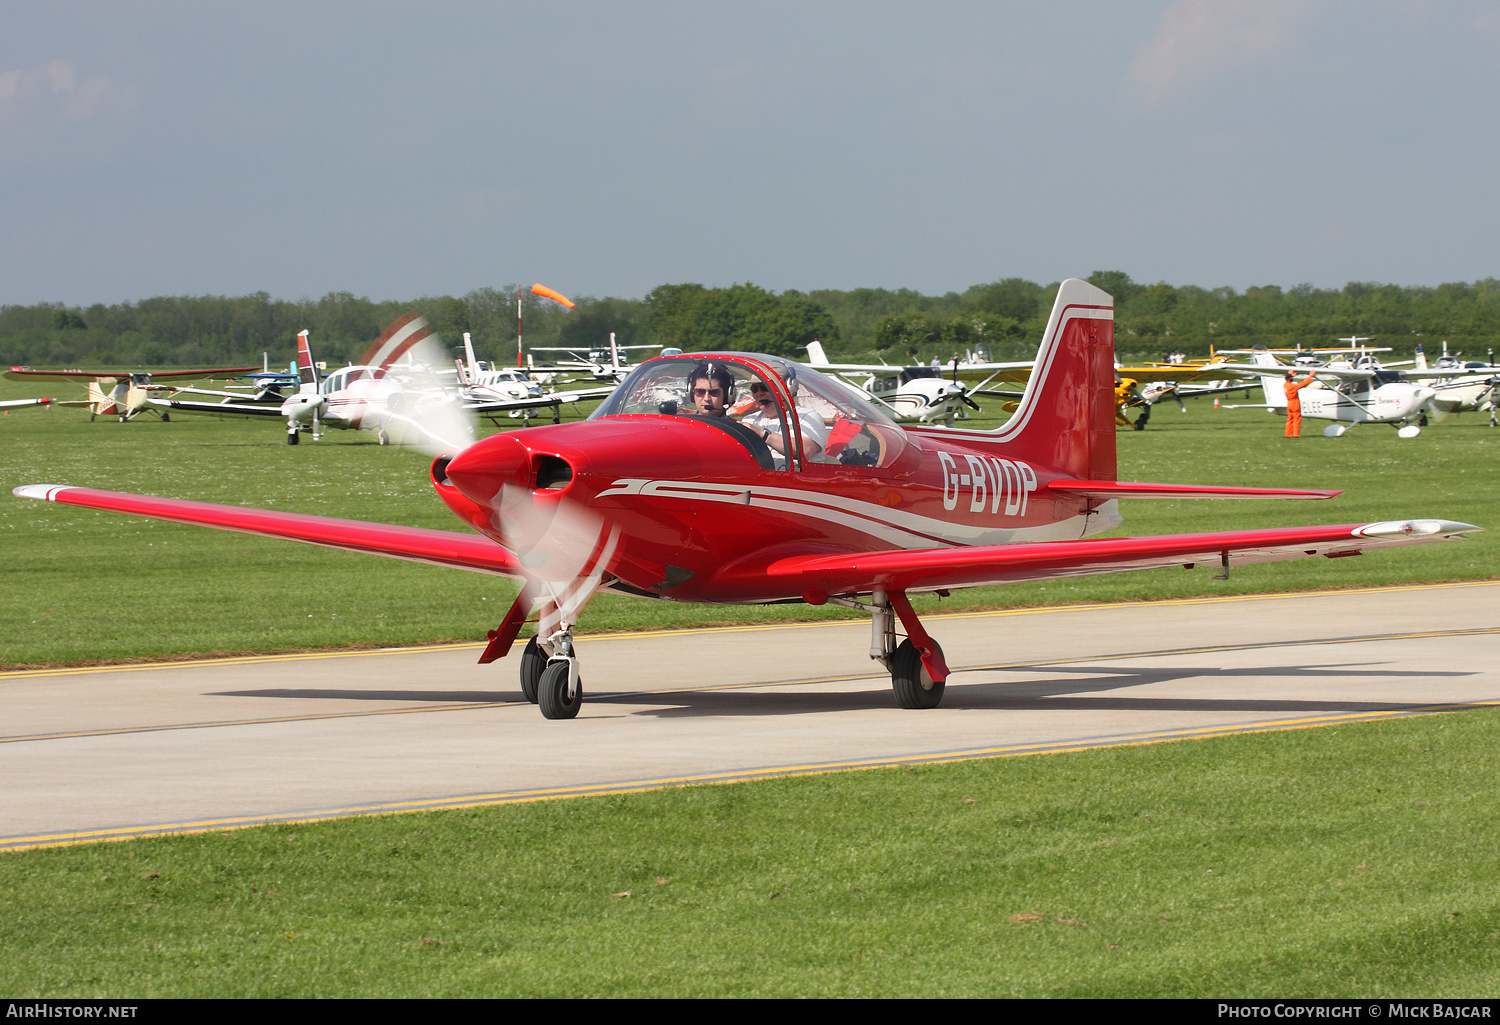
column 918, row 670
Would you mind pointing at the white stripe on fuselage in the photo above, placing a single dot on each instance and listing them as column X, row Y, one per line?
column 891, row 526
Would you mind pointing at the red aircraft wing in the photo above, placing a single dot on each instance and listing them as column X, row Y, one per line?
column 816, row 576
column 419, row 544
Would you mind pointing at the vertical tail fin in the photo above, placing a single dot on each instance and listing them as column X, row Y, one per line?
column 469, row 352
column 815, row 354
column 306, row 371
column 1066, row 416
column 1271, row 386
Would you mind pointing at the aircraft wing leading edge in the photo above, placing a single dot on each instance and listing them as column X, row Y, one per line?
column 417, row 544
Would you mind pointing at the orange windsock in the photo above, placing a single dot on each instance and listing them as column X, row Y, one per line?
column 555, row 296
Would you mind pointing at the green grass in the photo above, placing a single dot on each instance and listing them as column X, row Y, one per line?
column 1350, row 861
column 88, row 586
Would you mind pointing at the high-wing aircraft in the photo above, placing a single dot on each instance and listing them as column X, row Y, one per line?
column 124, row 393
column 364, row 396
column 920, row 394
column 1460, row 386
column 663, row 495
column 601, row 364
column 1347, row 394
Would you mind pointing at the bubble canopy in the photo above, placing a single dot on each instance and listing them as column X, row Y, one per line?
column 837, row 424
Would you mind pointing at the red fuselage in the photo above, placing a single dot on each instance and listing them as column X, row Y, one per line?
column 699, row 517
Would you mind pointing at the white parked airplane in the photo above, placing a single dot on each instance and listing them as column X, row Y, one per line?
column 1463, row 387
column 920, row 394
column 1346, row 394
column 491, row 389
column 368, row 396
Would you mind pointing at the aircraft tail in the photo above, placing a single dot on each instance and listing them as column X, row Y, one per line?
column 815, row 355
column 1066, row 416
column 307, row 371
column 473, row 363
column 1275, row 393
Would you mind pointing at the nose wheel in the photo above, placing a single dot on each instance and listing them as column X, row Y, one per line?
column 533, row 664
column 554, row 695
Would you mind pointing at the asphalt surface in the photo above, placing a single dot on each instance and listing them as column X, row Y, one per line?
column 91, row 754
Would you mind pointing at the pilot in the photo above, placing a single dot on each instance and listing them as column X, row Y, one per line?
column 711, row 388
column 764, row 421
column 1294, row 403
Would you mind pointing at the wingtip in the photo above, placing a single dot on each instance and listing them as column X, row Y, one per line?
column 1416, row 528
column 41, row 492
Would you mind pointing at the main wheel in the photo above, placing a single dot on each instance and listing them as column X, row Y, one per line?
column 910, row 680
column 383, row 438
column 533, row 664
column 291, row 437
column 552, row 692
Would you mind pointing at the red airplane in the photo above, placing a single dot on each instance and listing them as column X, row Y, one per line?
column 694, row 481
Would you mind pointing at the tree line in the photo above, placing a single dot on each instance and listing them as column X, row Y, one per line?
column 1002, row 319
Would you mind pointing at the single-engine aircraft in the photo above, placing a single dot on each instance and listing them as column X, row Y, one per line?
column 1349, row 394
column 123, row 393
column 1463, row 386
column 816, row 496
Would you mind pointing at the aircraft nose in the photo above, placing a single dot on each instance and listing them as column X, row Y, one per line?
column 486, row 467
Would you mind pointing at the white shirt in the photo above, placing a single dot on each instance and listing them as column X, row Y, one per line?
column 814, row 433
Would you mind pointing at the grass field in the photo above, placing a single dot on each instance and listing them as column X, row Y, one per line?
column 1351, row 861
column 1357, row 860
column 90, row 586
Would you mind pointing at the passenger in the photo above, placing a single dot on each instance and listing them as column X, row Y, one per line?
column 764, row 421
column 711, row 388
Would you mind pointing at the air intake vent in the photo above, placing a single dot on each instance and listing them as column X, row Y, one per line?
column 552, row 473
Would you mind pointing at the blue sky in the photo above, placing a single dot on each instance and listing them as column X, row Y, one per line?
column 395, row 150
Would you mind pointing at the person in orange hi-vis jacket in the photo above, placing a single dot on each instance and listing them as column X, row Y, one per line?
column 1294, row 403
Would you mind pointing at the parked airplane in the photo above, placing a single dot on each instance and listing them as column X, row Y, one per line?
column 365, row 396
column 123, row 393
column 672, row 499
column 1464, row 387
column 1349, row 394
column 919, row 394
column 601, row 364
column 489, row 389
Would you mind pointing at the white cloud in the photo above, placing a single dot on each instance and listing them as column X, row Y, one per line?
column 1198, row 37
column 43, row 108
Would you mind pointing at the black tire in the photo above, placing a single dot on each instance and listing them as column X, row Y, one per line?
column 291, row 437
column 533, row 664
column 166, row 418
column 552, row 692
column 909, row 679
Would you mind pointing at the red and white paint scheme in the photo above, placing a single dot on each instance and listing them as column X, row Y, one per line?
column 651, row 498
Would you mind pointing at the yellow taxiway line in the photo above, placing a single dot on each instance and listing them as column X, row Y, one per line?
column 20, row 843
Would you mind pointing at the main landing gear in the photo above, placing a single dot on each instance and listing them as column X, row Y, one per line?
column 551, row 681
column 919, row 673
